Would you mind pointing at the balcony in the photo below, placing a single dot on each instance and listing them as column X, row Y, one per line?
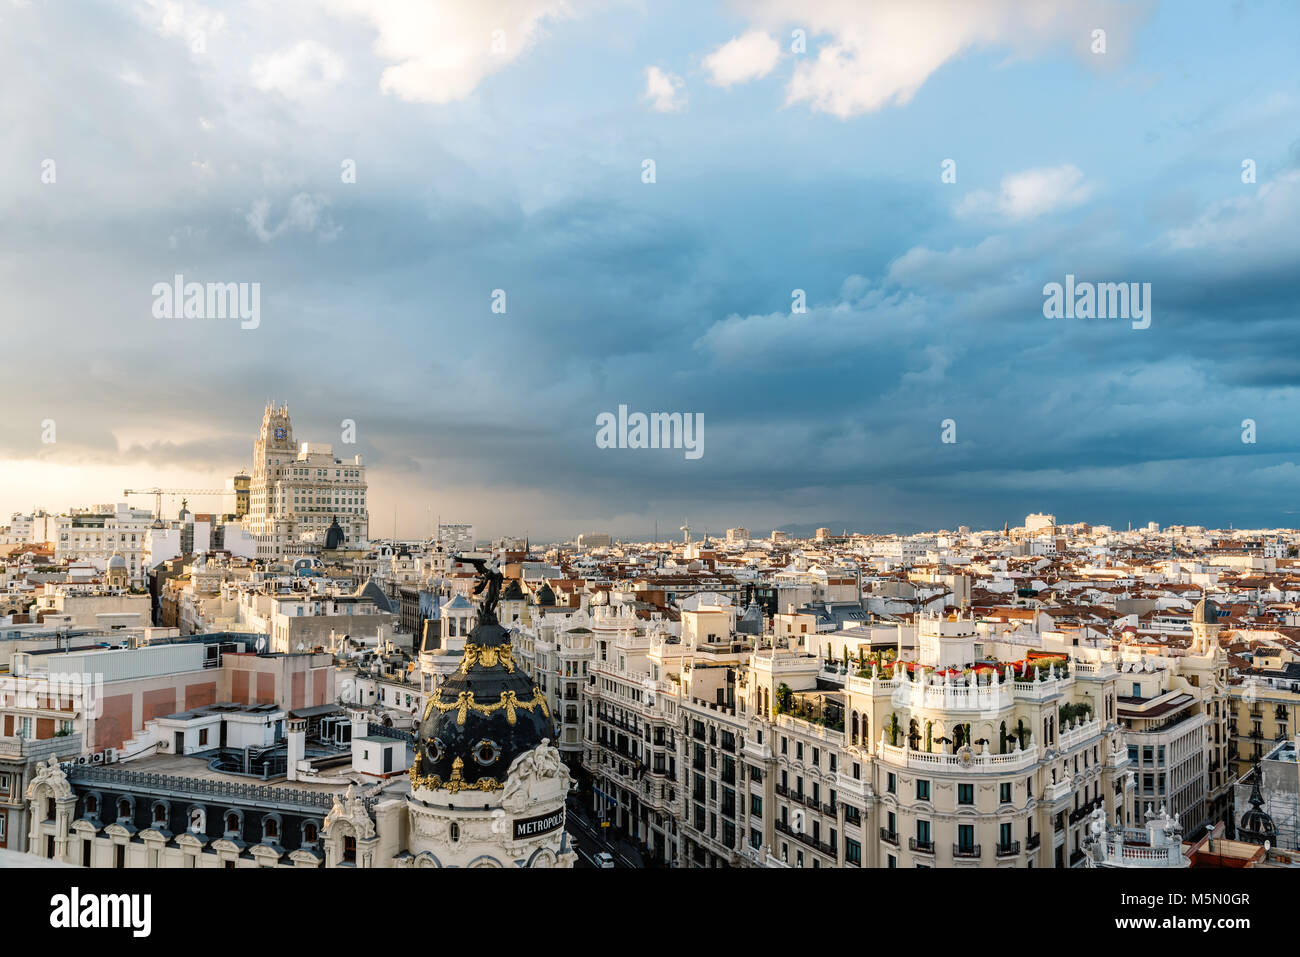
column 920, row 847
column 888, row 836
column 1033, row 841
column 830, row 809
column 807, row 839
column 965, row 851
column 1079, row 813
column 946, row 763
column 1010, row 850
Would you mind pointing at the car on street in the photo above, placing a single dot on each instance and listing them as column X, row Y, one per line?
column 604, row 859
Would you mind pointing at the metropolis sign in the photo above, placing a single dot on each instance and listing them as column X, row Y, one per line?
column 532, row 826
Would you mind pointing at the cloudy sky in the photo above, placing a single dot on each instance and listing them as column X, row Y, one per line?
column 797, row 145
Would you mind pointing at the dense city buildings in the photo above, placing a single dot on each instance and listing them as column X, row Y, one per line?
column 1038, row 696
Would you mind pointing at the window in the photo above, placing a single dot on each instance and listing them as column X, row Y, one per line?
column 203, row 736
column 966, row 837
column 852, row 852
column 965, row 794
column 1004, row 792
column 891, row 783
column 922, row 790
column 756, row 805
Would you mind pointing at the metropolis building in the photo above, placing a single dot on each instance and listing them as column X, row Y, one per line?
column 298, row 490
column 487, row 787
column 484, row 789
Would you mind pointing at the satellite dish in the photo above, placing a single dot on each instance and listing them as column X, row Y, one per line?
column 300, row 646
column 261, row 644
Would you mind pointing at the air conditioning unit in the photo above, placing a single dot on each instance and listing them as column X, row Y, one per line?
column 97, row 758
column 110, row 755
column 82, row 759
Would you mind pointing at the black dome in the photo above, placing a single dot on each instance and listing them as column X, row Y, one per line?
column 482, row 718
column 1256, row 824
column 334, row 534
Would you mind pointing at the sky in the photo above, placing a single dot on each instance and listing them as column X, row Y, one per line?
column 920, row 171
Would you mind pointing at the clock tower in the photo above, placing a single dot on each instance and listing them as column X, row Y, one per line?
column 298, row 490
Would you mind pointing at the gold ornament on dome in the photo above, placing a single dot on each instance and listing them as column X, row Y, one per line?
column 454, row 784
column 465, row 703
column 488, row 656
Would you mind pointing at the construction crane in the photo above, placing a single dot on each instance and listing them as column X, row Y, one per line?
column 158, row 493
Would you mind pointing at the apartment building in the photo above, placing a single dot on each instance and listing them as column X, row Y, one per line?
column 557, row 649
column 97, row 533
column 630, row 744
column 1263, row 709
column 947, row 760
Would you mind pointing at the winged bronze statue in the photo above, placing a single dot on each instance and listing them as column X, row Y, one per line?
column 489, row 584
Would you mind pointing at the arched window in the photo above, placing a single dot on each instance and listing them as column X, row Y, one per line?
column 455, row 831
column 309, row 833
column 855, row 727
column 349, row 848
column 271, row 828
column 232, row 821
column 123, row 808
column 159, row 814
column 92, row 804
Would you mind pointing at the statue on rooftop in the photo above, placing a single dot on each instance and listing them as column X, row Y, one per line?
column 489, row 583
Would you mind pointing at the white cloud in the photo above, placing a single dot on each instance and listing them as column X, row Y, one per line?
column 880, row 53
column 1029, row 194
column 665, row 91
column 308, row 213
column 743, row 58
column 305, row 69
column 1261, row 220
column 443, row 51
column 189, row 21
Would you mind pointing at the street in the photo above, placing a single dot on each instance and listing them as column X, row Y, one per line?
column 588, row 841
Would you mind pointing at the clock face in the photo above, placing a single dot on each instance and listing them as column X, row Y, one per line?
column 280, row 433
